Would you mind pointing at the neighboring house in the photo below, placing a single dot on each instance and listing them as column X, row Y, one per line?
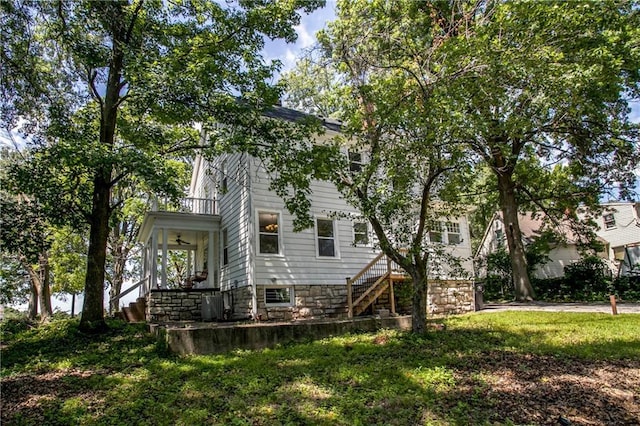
column 239, row 232
column 618, row 230
column 564, row 251
column 619, row 225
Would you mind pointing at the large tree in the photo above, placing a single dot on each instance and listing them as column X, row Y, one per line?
column 120, row 83
column 546, row 106
column 407, row 164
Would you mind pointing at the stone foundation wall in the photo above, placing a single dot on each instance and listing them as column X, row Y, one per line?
column 239, row 302
column 310, row 301
column 450, row 297
column 176, row 304
column 443, row 297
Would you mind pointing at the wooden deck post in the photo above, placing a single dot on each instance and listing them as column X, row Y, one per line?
column 392, row 298
column 349, row 298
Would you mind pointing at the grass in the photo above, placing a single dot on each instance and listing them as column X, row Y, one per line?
column 56, row 375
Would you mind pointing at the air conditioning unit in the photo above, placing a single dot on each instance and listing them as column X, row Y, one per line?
column 212, row 307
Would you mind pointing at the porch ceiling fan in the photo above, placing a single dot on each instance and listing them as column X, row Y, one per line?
column 180, row 241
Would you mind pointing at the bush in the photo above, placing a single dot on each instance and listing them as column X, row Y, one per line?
column 627, row 288
column 14, row 322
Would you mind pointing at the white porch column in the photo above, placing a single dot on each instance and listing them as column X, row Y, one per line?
column 153, row 253
column 165, row 245
column 210, row 265
column 189, row 262
column 145, row 270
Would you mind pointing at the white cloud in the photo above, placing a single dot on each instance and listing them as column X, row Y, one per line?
column 305, row 38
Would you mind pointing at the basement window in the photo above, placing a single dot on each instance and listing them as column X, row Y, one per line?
column 278, row 296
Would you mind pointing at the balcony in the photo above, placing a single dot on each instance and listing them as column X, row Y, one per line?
column 191, row 205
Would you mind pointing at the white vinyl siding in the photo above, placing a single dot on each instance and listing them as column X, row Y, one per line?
column 299, row 263
column 235, row 220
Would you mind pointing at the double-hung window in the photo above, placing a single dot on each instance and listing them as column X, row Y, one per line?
column 268, row 233
column 360, row 233
column 453, row 233
column 326, row 238
column 435, row 233
column 355, row 161
column 609, row 221
column 225, row 247
column 223, row 178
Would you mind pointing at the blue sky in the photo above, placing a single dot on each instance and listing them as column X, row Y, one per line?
column 309, row 25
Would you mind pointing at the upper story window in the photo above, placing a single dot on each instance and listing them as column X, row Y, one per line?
column 445, row 232
column 360, row 233
column 225, row 247
column 435, row 233
column 326, row 238
column 355, row 161
column 499, row 235
column 453, row 233
column 609, row 221
column 223, row 178
column 268, row 233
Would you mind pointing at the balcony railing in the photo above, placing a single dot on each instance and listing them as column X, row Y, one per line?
column 187, row 205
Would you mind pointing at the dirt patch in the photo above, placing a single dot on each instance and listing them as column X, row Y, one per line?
column 538, row 390
column 27, row 396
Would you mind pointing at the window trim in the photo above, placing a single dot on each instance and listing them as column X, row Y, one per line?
column 280, row 233
column 224, row 232
column 336, row 241
column 358, row 165
column 291, row 301
column 368, row 233
column 224, row 182
column 613, row 221
column 437, row 228
column 459, row 233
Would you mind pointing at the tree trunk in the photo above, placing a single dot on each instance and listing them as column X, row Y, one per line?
column 92, row 318
column 119, row 262
column 44, row 291
column 419, row 302
column 73, row 305
column 509, row 208
column 33, row 299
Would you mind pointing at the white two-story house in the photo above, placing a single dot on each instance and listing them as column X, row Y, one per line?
column 244, row 258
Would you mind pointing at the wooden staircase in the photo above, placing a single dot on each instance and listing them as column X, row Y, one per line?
column 135, row 312
column 369, row 284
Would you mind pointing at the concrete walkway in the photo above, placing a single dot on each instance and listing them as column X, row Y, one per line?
column 623, row 308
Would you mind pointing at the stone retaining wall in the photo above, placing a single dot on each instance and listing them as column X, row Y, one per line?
column 207, row 338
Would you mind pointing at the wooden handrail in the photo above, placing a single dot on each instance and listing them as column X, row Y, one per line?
column 130, row 289
column 366, row 268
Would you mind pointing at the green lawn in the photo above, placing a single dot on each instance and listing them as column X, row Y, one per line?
column 499, row 368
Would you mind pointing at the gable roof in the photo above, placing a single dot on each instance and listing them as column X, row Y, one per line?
column 288, row 114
